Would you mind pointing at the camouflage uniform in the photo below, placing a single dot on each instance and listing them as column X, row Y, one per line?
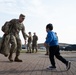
column 14, row 37
column 34, row 43
column 29, row 43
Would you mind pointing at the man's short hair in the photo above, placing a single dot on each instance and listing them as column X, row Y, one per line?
column 34, row 33
column 50, row 26
column 29, row 32
column 21, row 15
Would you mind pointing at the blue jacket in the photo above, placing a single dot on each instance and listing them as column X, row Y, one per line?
column 51, row 39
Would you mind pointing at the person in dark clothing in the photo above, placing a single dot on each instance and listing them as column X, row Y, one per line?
column 34, row 43
column 52, row 40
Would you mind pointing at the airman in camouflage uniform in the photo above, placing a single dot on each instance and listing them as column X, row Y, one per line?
column 16, row 27
column 29, row 43
column 34, row 43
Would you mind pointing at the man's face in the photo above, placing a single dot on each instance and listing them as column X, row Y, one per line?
column 21, row 19
column 34, row 34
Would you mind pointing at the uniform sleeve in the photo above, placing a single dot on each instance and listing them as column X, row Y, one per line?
column 23, row 32
column 49, row 38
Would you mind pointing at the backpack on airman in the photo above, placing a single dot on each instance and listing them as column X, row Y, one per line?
column 5, row 27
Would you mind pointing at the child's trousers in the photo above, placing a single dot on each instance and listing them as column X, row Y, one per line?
column 54, row 51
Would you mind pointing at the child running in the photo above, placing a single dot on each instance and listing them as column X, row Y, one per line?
column 52, row 40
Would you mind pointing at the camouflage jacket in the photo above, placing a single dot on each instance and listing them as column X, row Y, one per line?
column 16, row 27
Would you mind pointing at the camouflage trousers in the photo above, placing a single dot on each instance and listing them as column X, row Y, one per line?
column 29, row 47
column 34, row 46
column 15, row 45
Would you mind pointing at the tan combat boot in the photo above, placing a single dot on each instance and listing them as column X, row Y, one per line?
column 17, row 59
column 10, row 58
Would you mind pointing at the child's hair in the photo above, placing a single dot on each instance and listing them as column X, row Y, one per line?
column 50, row 26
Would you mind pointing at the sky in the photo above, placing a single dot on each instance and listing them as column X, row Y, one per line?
column 61, row 13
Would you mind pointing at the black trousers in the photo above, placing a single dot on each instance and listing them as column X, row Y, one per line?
column 54, row 51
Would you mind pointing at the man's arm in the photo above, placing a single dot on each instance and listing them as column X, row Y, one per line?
column 23, row 33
